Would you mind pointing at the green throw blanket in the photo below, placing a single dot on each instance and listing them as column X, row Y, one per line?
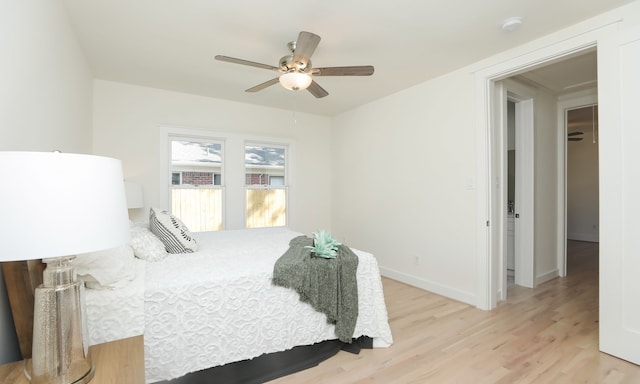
column 329, row 285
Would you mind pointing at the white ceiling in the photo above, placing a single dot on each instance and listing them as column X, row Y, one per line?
column 171, row 44
column 569, row 75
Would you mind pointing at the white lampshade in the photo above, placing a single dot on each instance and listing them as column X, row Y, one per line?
column 133, row 192
column 55, row 206
column 295, row 81
column 58, row 204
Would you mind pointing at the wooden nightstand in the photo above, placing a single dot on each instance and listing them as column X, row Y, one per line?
column 119, row 361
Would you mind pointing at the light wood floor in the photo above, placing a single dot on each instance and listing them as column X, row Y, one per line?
column 544, row 335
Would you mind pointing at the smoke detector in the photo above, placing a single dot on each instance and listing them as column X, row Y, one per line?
column 511, row 24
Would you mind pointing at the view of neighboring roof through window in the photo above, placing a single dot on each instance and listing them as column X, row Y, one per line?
column 190, row 152
column 196, row 163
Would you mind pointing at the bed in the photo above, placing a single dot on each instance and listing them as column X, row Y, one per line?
column 217, row 306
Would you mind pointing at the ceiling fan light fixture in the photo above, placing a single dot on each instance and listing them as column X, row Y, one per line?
column 295, row 81
column 296, row 70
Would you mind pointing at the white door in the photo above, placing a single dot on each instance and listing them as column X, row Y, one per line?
column 523, row 216
column 524, row 202
column 618, row 67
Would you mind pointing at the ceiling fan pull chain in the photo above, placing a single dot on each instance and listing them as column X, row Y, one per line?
column 295, row 109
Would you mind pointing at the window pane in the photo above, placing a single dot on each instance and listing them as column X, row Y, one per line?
column 196, row 178
column 200, row 209
column 276, row 180
column 198, row 163
column 266, row 208
column 262, row 163
column 266, row 193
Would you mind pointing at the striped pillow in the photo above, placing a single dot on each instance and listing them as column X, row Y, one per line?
column 171, row 231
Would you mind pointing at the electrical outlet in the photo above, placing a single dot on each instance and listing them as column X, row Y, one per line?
column 416, row 260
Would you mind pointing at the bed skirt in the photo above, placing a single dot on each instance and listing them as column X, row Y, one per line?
column 273, row 365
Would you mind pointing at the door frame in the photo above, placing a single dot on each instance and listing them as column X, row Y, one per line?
column 488, row 231
column 617, row 39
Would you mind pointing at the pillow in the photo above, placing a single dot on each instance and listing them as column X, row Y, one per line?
column 139, row 224
column 112, row 268
column 146, row 245
column 171, row 231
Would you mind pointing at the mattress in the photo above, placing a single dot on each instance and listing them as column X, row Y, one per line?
column 216, row 306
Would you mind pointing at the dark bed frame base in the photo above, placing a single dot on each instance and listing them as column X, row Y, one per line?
column 274, row 365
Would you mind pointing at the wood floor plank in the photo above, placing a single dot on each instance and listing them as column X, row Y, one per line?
column 544, row 335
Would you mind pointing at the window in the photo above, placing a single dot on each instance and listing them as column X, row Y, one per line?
column 265, row 184
column 225, row 180
column 196, row 183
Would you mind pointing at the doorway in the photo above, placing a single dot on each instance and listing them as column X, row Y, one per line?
column 582, row 173
column 581, row 184
column 531, row 199
column 618, row 92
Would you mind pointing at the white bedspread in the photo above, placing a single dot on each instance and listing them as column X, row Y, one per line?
column 218, row 306
column 114, row 314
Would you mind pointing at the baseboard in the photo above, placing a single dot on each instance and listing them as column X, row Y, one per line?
column 452, row 293
column 590, row 237
column 547, row 276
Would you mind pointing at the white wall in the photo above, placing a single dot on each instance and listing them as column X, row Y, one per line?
column 404, row 167
column 45, row 98
column 127, row 125
column 404, row 189
column 404, row 184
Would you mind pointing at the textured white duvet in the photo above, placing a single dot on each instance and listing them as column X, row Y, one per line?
column 114, row 314
column 218, row 306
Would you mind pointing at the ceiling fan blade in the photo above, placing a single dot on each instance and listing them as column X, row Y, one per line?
column 245, row 62
column 264, row 85
column 359, row 70
column 316, row 90
column 305, row 46
column 575, row 139
column 575, row 133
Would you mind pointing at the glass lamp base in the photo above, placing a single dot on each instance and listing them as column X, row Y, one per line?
column 60, row 353
column 79, row 368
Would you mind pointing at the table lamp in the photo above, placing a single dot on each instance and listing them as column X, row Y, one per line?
column 54, row 206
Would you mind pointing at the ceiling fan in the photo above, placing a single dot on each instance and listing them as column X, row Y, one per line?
column 296, row 70
column 574, row 136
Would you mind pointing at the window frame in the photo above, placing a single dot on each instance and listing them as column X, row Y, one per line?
column 233, row 176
